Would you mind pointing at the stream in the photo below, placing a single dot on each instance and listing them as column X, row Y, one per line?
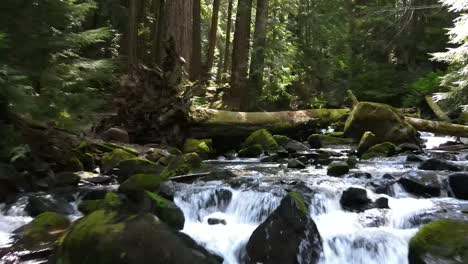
column 379, row 236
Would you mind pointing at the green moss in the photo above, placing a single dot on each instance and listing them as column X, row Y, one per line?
column 253, row 151
column 174, row 151
column 112, row 159
column 112, row 200
column 167, row 211
column 336, row 134
column 281, row 140
column 201, row 147
column 299, row 202
column 385, row 149
column 182, row 164
column 444, row 239
column 261, row 137
column 157, row 154
column 43, row 224
column 89, row 206
column 368, row 140
column 74, row 165
column 124, row 148
column 141, row 182
column 136, row 166
column 89, row 161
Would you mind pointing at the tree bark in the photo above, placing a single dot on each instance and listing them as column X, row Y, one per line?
column 436, row 109
column 158, row 9
column 436, row 127
column 240, row 56
column 212, row 38
column 196, row 60
column 257, row 64
column 227, row 47
column 133, row 33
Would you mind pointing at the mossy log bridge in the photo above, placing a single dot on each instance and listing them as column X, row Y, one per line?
column 218, row 123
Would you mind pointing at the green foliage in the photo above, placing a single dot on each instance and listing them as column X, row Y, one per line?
column 426, row 85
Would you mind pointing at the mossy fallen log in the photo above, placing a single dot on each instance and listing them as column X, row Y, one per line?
column 436, row 109
column 443, row 128
column 210, row 122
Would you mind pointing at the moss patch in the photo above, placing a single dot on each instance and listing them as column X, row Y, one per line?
column 112, row 159
column 368, row 140
column 281, row 140
column 89, row 206
column 167, row 211
column 42, row 226
column 141, row 182
column 385, row 149
column 261, row 137
column 299, row 202
column 201, row 147
column 137, row 166
column 253, row 151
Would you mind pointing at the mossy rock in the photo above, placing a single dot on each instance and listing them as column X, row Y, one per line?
column 64, row 179
column 141, row 182
column 112, row 200
column 73, row 165
column 368, row 140
column 42, row 228
column 134, row 166
column 174, row 151
column 202, row 147
column 112, row 159
column 158, row 154
column 253, row 151
column 385, row 149
column 281, row 140
column 319, row 140
column 124, row 148
column 442, row 241
column 263, row 138
column 89, row 161
column 182, row 164
column 299, row 202
column 386, row 122
column 107, row 237
column 338, row 168
column 167, row 211
column 89, row 206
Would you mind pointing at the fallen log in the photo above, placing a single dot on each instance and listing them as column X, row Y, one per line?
column 436, row 109
column 436, row 127
column 211, row 123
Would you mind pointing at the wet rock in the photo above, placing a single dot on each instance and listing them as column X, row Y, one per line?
column 117, row 135
column 381, row 186
column 314, row 141
column 230, row 155
column 360, row 175
column 443, row 241
column 458, row 183
column 38, row 204
column 385, row 149
column 422, row 184
column 414, row 158
column 438, row 164
column 263, row 138
column 270, row 158
column 131, row 167
column 167, row 211
column 282, row 153
column 288, row 235
column 355, row 199
column 338, row 168
column 102, row 179
column 253, row 151
column 381, row 203
column 64, row 179
column 409, row 147
column 106, row 235
column 112, row 159
column 444, row 156
column 352, row 161
column 296, row 164
column 294, row 146
column 367, row 140
column 383, row 120
column 168, row 189
column 141, row 182
column 156, row 154
column 215, row 221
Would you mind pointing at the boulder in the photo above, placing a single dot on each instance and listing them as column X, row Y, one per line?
column 314, row 141
column 116, row 134
column 458, row 183
column 63, row 179
column 202, row 147
column 38, row 204
column 263, row 138
column 338, row 168
column 385, row 149
column 107, row 237
column 141, row 182
column 384, row 121
column 253, row 151
column 438, row 164
column 355, row 199
column 367, row 140
column 409, row 147
column 288, row 235
column 296, row 164
column 134, row 166
column 423, row 184
column 182, row 164
column 442, row 241
column 291, row 145
column 414, row 158
column 112, row 159
column 167, row 211
column 216, row 221
column 156, row 154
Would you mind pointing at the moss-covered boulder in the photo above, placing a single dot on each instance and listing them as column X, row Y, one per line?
column 112, row 159
column 338, row 168
column 202, row 147
column 107, row 237
column 73, row 164
column 141, row 182
column 44, row 228
column 443, row 241
column 385, row 149
column 281, row 140
column 367, row 140
column 110, row 201
column 386, row 122
column 182, row 164
column 157, row 154
column 134, row 166
column 319, row 140
column 253, row 151
column 263, row 138
column 167, row 211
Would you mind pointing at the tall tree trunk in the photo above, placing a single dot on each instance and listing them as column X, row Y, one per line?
column 227, row 47
column 351, row 37
column 257, row 65
column 240, row 55
column 212, row 38
column 133, row 33
column 177, row 23
column 196, row 60
column 158, row 9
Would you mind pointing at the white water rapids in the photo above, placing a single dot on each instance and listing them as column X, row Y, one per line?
column 375, row 236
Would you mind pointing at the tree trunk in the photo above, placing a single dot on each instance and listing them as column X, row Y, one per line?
column 133, row 33
column 240, row 56
column 195, row 60
column 212, row 38
column 158, row 9
column 436, row 109
column 443, row 128
column 257, row 64
column 178, row 25
column 227, row 46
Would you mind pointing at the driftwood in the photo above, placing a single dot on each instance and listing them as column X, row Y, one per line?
column 436, row 109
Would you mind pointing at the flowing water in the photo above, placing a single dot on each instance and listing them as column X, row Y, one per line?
column 377, row 236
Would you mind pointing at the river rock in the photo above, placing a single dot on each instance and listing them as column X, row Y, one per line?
column 355, row 199
column 117, row 135
column 338, row 168
column 414, row 158
column 64, row 179
column 38, row 204
column 288, row 235
column 202, row 147
column 367, row 140
column 216, row 221
column 113, row 238
column 314, row 141
column 459, row 185
column 385, row 149
column 443, row 241
column 384, row 121
column 263, row 138
column 421, row 184
column 409, row 147
column 134, row 166
column 167, row 211
column 112, row 159
column 252, row 151
column 438, row 164
column 296, row 164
